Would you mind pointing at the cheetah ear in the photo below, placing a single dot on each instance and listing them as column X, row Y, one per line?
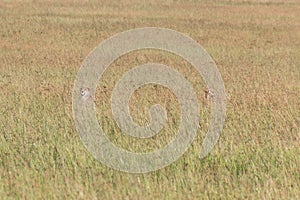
column 206, row 92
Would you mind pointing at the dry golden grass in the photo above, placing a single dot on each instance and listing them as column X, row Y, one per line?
column 255, row 44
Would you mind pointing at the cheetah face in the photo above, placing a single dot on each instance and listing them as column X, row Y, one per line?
column 85, row 93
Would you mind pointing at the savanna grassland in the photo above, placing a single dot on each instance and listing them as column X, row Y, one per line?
column 256, row 46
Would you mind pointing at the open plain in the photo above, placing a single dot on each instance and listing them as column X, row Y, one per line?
column 256, row 46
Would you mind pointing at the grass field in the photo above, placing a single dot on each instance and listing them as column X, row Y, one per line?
column 256, row 46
